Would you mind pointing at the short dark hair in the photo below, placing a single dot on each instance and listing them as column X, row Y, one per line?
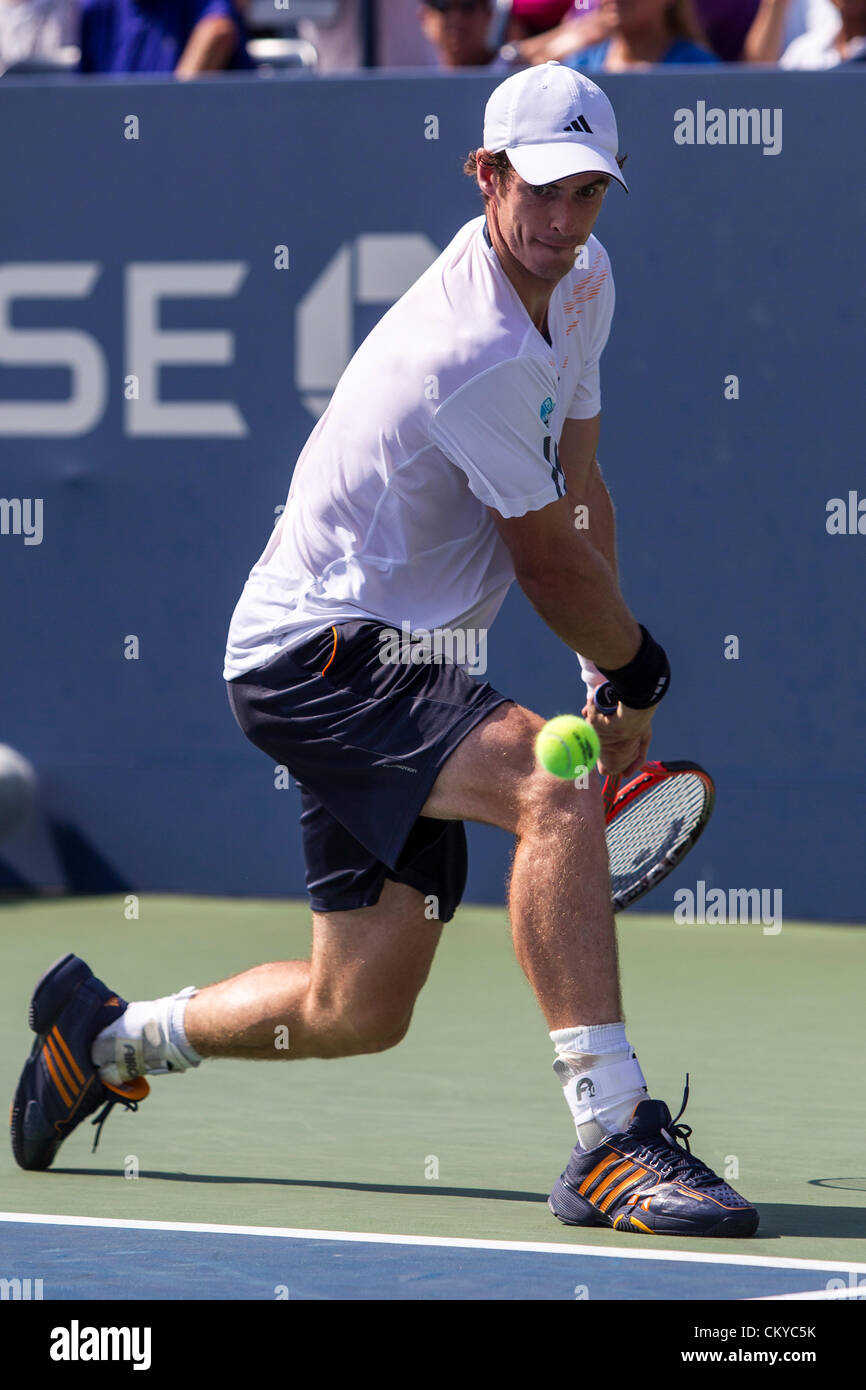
column 499, row 163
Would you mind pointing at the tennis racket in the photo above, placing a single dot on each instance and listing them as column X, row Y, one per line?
column 653, row 820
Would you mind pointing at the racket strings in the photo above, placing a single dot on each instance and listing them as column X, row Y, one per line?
column 655, row 826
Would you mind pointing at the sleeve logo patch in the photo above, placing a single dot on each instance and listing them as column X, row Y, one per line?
column 546, row 410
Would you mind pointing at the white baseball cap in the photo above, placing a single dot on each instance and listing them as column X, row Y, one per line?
column 552, row 121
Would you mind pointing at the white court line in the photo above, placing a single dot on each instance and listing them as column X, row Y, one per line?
column 451, row 1242
column 812, row 1294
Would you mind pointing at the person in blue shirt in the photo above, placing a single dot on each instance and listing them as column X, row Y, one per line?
column 185, row 37
column 643, row 33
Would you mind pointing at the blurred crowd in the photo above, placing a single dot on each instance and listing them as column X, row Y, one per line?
column 189, row 37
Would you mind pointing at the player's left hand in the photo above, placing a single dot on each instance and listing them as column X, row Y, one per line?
column 624, row 738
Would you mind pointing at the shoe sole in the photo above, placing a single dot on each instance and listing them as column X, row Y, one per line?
column 54, row 989
column 738, row 1225
column 733, row 1225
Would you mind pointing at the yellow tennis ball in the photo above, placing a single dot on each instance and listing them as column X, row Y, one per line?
column 567, row 745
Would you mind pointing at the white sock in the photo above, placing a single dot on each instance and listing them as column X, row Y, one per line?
column 601, row 1078
column 148, row 1038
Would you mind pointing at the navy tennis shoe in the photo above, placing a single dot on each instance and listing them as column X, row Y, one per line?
column 59, row 1086
column 644, row 1181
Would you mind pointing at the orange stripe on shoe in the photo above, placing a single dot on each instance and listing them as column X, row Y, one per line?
column 641, row 1227
column 136, row 1089
column 635, row 1176
column 52, row 1047
column 607, row 1162
column 58, row 1038
column 333, row 653
column 49, row 1062
column 68, row 1119
column 625, row 1167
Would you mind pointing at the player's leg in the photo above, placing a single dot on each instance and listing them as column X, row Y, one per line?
column 627, row 1170
column 373, row 941
column 559, row 896
column 92, row 1049
column 355, row 994
column 365, row 739
column 559, row 902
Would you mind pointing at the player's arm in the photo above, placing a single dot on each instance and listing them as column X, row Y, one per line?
column 568, row 571
column 493, row 427
column 569, row 574
column 586, row 486
column 209, row 47
column 765, row 39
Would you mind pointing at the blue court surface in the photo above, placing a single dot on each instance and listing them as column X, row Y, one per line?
column 83, row 1258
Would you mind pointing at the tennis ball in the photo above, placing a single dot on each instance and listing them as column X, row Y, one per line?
column 567, row 745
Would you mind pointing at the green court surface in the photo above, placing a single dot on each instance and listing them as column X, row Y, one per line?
column 461, row 1130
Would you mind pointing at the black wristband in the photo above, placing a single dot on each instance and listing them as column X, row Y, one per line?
column 645, row 680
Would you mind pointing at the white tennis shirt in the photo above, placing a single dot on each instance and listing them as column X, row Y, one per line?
column 454, row 403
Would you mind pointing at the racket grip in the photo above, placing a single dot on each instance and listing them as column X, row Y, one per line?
column 605, row 699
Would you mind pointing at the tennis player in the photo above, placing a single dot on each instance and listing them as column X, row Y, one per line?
column 450, row 461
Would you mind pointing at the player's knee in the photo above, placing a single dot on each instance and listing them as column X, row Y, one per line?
column 373, row 1031
column 551, row 804
column 538, row 798
column 353, row 1029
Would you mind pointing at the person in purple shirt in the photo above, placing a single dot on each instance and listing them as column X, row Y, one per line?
column 185, row 37
column 724, row 25
column 642, row 34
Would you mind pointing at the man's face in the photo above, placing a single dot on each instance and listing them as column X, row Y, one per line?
column 543, row 227
column 458, row 31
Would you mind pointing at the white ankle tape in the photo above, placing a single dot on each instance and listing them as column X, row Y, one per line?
column 602, row 1097
column 593, row 1038
column 148, row 1039
column 591, row 1089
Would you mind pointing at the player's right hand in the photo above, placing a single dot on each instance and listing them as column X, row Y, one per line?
column 624, row 738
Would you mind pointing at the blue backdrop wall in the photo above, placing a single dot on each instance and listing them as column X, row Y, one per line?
column 139, row 238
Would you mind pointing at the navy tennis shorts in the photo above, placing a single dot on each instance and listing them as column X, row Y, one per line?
column 365, row 741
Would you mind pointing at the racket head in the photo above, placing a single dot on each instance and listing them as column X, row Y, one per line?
column 651, row 823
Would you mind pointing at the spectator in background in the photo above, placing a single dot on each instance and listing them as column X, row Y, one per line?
column 340, row 43
column 751, row 31
column 780, row 23
column 459, row 31
column 841, row 40
column 581, row 26
column 644, row 33
column 185, row 37
column 531, row 17
column 722, row 26
column 36, row 29
column 725, row 24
